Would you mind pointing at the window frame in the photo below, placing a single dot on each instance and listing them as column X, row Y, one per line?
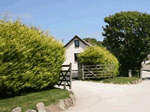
column 76, row 57
column 76, row 44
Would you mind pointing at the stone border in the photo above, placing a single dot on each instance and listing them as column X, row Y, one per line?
column 129, row 83
column 60, row 106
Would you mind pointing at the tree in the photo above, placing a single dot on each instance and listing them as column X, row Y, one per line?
column 93, row 41
column 127, row 36
column 6, row 16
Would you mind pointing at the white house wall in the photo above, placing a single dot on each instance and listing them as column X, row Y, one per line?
column 70, row 50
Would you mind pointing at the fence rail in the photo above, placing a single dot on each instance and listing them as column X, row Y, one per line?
column 97, row 71
column 66, row 76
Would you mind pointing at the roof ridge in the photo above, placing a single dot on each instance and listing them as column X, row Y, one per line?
column 79, row 39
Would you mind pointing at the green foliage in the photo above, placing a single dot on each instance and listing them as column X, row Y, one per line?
column 98, row 55
column 127, row 36
column 93, row 41
column 28, row 58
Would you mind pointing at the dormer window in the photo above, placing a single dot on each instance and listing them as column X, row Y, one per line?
column 76, row 43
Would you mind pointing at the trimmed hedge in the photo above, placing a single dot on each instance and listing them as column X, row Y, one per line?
column 28, row 58
column 98, row 55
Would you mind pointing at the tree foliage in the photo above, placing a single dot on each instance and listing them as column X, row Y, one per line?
column 98, row 55
column 127, row 36
column 28, row 58
column 93, row 41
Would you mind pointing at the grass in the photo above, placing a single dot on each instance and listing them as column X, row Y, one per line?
column 120, row 80
column 116, row 80
column 148, row 64
column 28, row 101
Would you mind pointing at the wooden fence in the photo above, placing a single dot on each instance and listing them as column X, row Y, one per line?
column 97, row 71
column 66, row 76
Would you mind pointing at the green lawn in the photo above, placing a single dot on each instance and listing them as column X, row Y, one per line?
column 28, row 101
column 148, row 64
column 120, row 80
column 116, row 80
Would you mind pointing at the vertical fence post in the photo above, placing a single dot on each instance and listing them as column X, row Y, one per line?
column 82, row 72
column 70, row 76
column 140, row 74
column 79, row 70
column 113, row 68
column 64, row 85
column 130, row 73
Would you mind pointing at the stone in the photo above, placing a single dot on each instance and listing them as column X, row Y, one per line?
column 72, row 96
column 41, row 107
column 71, row 92
column 129, row 83
column 68, row 102
column 30, row 110
column 61, row 104
column 53, row 108
column 101, row 81
column 18, row 109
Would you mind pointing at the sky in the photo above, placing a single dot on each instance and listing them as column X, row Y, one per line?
column 66, row 18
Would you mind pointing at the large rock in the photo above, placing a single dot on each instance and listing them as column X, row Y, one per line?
column 30, row 110
column 41, row 107
column 68, row 102
column 53, row 108
column 71, row 92
column 62, row 105
column 101, row 81
column 72, row 96
column 18, row 109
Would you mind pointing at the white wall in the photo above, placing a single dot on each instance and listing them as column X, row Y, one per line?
column 70, row 50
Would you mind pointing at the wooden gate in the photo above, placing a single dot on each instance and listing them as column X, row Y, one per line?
column 97, row 71
column 66, row 76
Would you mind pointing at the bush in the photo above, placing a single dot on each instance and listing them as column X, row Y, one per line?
column 28, row 58
column 98, row 55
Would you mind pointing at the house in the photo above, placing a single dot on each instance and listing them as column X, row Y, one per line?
column 75, row 46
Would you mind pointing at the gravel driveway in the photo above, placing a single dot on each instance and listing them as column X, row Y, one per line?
column 98, row 97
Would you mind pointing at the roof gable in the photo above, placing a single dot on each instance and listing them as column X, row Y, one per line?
column 79, row 39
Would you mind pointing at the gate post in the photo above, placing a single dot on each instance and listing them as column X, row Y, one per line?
column 82, row 72
column 64, row 85
column 130, row 73
column 79, row 70
column 70, row 76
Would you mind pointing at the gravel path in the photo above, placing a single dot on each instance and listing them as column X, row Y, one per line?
column 98, row 97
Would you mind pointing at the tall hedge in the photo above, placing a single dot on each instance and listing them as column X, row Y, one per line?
column 28, row 58
column 98, row 55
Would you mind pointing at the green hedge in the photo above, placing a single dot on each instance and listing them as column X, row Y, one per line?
column 28, row 58
column 98, row 55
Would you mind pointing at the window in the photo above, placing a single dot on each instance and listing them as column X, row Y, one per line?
column 76, row 43
column 75, row 57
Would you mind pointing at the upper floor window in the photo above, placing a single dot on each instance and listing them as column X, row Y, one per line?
column 76, row 43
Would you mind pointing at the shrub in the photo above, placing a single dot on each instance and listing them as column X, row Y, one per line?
column 98, row 55
column 28, row 58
